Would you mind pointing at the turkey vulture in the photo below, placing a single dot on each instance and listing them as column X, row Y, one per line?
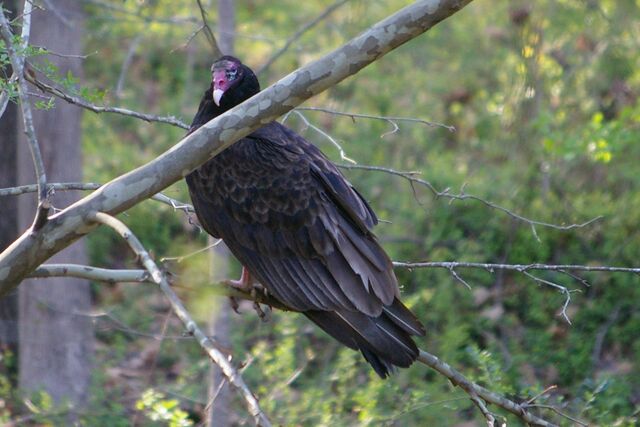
column 300, row 229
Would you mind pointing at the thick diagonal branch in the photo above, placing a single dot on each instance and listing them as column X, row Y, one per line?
column 62, row 229
column 233, row 376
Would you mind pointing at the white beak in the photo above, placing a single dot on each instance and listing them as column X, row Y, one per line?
column 217, row 94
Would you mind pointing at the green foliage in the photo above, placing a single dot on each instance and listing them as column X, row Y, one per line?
column 162, row 411
column 544, row 100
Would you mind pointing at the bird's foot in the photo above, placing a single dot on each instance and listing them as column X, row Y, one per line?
column 249, row 285
column 234, row 305
column 245, row 283
column 256, row 305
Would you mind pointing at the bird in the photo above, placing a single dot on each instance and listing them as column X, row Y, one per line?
column 300, row 229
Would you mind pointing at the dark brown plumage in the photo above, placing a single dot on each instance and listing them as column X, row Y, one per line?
column 300, row 229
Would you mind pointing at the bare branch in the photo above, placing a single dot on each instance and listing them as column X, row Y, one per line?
column 478, row 393
column 177, row 20
column 26, row 24
column 192, row 328
column 557, row 411
column 17, row 62
column 128, row 59
column 90, row 186
column 65, row 227
column 542, row 393
column 459, row 279
column 117, row 276
column 524, row 269
column 410, row 176
column 515, row 267
column 208, row 32
column 64, row 55
column 102, row 109
column 306, row 27
column 190, row 254
column 561, row 288
column 343, row 155
column 90, row 273
column 389, row 119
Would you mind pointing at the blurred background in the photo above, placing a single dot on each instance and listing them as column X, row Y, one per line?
column 544, row 100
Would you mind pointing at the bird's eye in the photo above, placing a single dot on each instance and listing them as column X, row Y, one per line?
column 232, row 74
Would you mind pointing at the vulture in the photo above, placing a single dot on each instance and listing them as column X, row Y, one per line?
column 300, row 229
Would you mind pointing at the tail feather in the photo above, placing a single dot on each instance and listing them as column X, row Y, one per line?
column 384, row 341
column 403, row 317
column 382, row 367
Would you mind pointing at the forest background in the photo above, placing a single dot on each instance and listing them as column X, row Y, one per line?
column 533, row 109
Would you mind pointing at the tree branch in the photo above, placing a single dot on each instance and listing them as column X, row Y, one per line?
column 215, row 49
column 31, row 78
column 17, row 62
column 478, row 392
column 89, row 186
column 28, row 252
column 516, row 267
column 389, row 119
column 90, row 273
column 205, row 342
column 306, row 27
column 410, row 176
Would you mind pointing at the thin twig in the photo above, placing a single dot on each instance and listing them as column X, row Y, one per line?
column 103, row 109
column 126, row 64
column 566, row 292
column 63, row 55
column 478, row 392
column 524, row 269
column 192, row 328
column 306, row 27
column 515, row 267
column 90, row 186
column 459, row 279
column 208, row 32
column 389, row 119
column 410, row 176
column 190, row 254
column 542, row 393
column 177, row 20
column 331, row 139
column 557, row 411
column 17, row 62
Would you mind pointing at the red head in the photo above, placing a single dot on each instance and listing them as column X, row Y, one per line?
column 229, row 75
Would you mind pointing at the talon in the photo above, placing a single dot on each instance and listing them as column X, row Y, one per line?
column 234, row 305
column 258, row 309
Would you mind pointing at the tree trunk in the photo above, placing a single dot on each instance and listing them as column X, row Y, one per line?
column 56, row 334
column 9, row 221
column 220, row 327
